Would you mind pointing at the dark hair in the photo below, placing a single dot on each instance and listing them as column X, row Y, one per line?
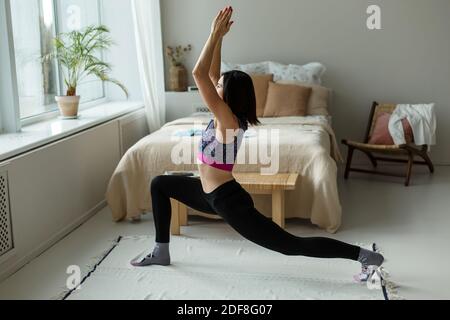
column 239, row 94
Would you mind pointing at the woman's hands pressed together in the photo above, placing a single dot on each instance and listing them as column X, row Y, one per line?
column 222, row 24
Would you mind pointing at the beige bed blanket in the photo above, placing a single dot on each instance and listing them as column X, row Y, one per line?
column 307, row 147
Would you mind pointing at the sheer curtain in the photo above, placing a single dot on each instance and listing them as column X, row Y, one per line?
column 148, row 31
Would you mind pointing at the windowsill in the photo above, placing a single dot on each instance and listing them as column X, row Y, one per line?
column 182, row 92
column 45, row 132
column 55, row 113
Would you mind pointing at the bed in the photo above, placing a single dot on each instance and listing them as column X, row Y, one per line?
column 307, row 146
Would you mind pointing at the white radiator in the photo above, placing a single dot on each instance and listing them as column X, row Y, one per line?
column 6, row 239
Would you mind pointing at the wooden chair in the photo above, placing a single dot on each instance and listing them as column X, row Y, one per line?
column 395, row 152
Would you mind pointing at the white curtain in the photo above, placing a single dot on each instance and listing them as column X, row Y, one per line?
column 148, row 31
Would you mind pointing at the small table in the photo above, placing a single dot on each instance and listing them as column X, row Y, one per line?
column 253, row 183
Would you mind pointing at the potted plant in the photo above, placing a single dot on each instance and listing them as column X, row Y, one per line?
column 78, row 53
column 178, row 72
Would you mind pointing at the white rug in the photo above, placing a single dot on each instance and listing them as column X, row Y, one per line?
column 205, row 269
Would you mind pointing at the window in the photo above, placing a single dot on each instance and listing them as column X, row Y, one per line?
column 34, row 25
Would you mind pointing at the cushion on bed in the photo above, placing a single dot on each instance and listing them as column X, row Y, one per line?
column 261, row 84
column 309, row 73
column 381, row 135
column 285, row 100
column 319, row 100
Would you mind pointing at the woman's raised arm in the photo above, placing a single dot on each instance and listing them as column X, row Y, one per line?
column 201, row 72
column 214, row 71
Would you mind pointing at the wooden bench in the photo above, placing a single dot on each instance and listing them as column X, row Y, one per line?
column 253, row 183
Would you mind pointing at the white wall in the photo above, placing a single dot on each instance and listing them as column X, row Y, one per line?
column 406, row 62
column 117, row 16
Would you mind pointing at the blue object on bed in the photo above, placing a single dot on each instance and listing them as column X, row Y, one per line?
column 188, row 133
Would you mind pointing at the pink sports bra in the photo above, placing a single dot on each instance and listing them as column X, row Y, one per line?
column 218, row 155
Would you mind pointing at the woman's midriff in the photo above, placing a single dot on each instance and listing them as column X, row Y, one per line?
column 213, row 178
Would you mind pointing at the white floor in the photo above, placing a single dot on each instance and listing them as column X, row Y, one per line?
column 410, row 224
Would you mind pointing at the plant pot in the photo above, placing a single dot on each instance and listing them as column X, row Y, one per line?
column 178, row 78
column 68, row 105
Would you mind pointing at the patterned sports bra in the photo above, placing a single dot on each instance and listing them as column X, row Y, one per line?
column 218, row 155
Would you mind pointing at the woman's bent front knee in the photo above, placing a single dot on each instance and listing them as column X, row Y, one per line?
column 157, row 183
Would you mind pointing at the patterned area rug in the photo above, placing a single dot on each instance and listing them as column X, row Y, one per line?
column 206, row 269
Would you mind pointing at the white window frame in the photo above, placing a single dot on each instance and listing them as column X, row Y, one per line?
column 10, row 120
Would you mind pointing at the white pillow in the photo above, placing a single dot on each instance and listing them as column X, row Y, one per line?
column 256, row 68
column 309, row 73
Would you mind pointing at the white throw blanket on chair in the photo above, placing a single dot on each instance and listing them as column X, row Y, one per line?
column 422, row 118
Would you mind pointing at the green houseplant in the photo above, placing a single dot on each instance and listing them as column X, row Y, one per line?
column 78, row 54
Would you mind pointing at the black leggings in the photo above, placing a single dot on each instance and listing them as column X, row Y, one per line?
column 232, row 202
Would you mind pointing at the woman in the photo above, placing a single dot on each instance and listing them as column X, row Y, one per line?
column 231, row 98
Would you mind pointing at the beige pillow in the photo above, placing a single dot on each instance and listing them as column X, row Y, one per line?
column 318, row 102
column 285, row 100
column 261, row 84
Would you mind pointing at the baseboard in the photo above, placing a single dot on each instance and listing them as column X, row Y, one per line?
column 47, row 244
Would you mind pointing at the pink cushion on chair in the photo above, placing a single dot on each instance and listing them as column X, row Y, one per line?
column 381, row 135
